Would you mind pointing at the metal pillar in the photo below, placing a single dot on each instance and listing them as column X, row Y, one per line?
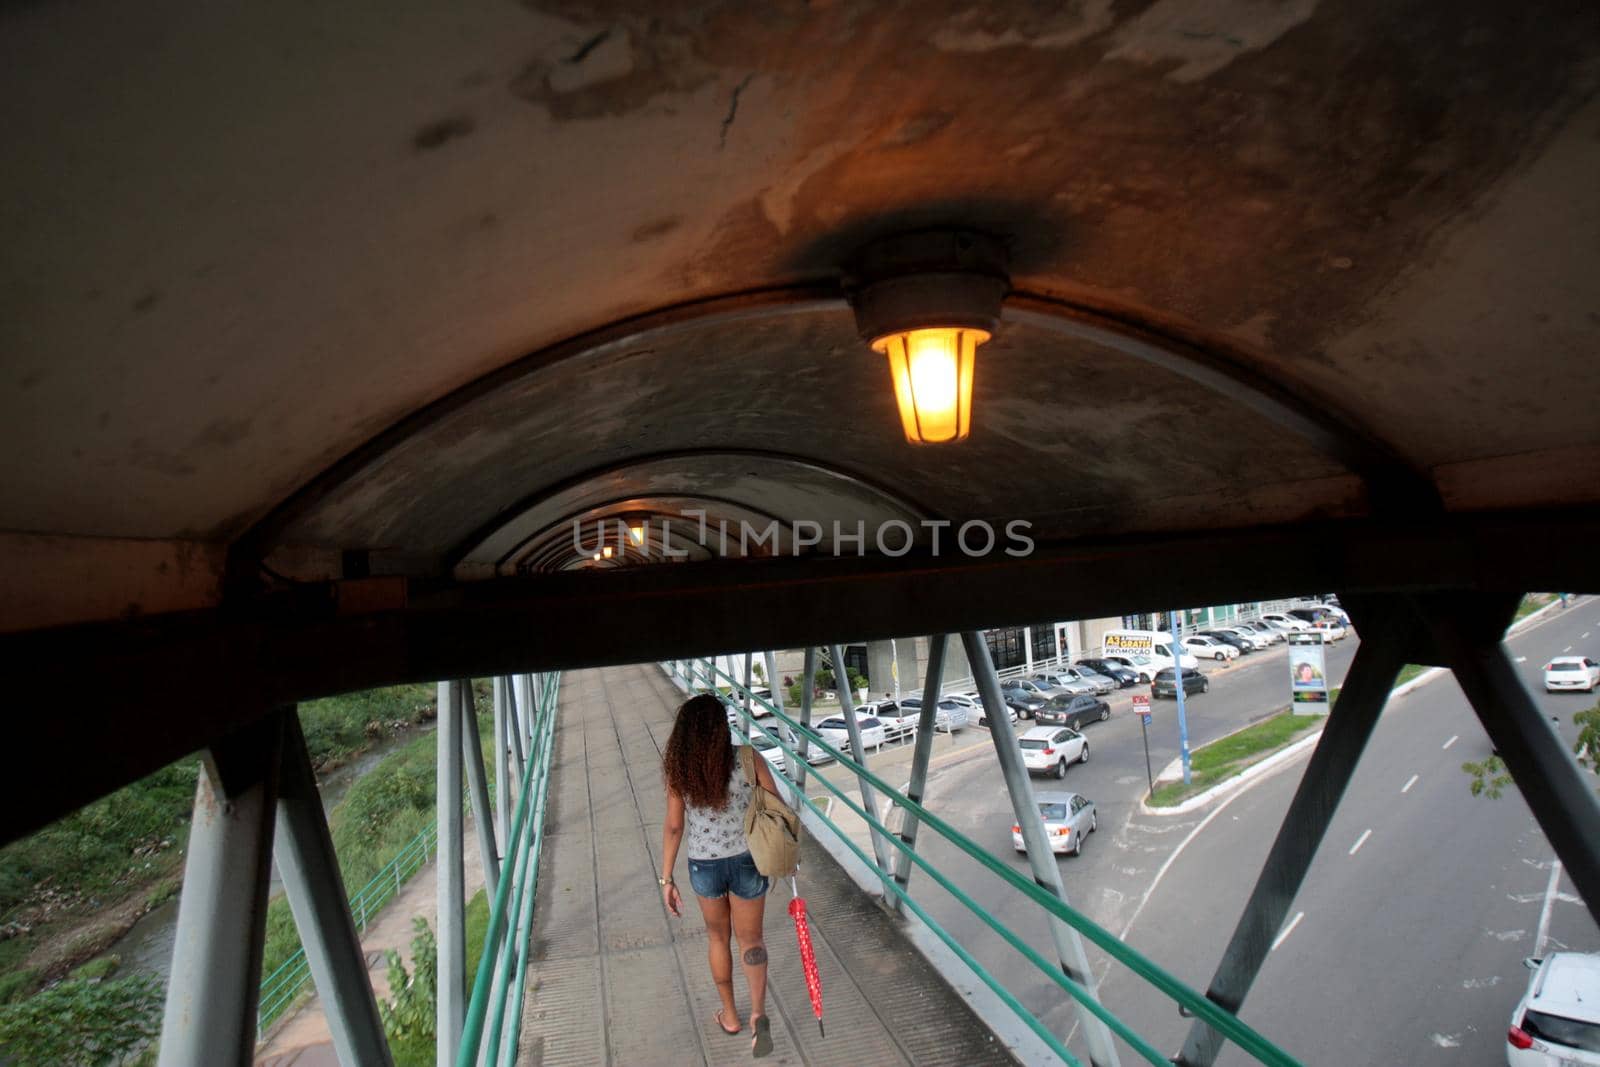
column 749, row 665
column 317, row 898
column 502, row 776
column 808, row 687
column 926, row 727
column 478, row 787
column 869, row 798
column 1179, row 692
column 1560, row 794
column 222, row 913
column 1366, row 688
column 777, row 702
column 515, row 703
column 452, row 902
column 1069, row 946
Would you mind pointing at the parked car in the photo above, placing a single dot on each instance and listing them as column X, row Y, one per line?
column 769, row 750
column 1210, row 648
column 1068, row 819
column 953, row 714
column 1051, row 748
column 834, row 731
column 1043, row 690
column 1287, row 621
column 1074, row 711
column 1571, row 672
column 1557, row 1021
column 1024, row 702
column 1265, row 629
column 1064, row 682
column 1102, row 683
column 1163, row 684
column 1117, row 672
column 1228, row 637
column 1256, row 641
column 898, row 719
column 1333, row 628
column 983, row 716
column 1143, row 669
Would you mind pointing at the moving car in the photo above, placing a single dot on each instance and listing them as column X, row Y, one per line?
column 1117, row 672
column 1051, row 748
column 1210, row 648
column 834, row 731
column 1068, row 819
column 1571, row 672
column 1163, row 684
column 1073, row 711
column 1557, row 1021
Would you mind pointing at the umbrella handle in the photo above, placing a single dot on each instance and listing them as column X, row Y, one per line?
column 794, row 887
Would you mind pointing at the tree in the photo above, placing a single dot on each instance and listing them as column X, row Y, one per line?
column 1490, row 778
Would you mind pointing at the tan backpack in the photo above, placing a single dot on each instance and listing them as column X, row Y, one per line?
column 772, row 830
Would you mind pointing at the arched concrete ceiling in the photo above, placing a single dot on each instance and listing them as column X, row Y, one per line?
column 298, row 282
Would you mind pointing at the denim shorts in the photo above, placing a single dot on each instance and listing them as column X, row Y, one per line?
column 732, row 874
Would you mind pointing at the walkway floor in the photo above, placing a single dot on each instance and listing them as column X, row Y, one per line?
column 615, row 980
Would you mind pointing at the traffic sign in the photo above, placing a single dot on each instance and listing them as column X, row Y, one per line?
column 1144, row 718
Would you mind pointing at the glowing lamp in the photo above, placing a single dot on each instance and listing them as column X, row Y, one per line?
column 636, row 532
column 927, row 300
column 606, row 551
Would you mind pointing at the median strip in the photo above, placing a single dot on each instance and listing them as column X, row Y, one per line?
column 1227, row 756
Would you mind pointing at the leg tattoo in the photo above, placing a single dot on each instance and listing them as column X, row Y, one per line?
column 756, row 956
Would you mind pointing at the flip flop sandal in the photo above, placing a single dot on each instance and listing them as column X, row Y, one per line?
column 763, row 1044
column 724, row 1028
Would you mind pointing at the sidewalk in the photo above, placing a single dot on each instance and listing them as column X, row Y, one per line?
column 301, row 1038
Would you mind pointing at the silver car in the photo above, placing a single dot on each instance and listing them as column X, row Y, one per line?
column 1068, row 819
column 1066, row 681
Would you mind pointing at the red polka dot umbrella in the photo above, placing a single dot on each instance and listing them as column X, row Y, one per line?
column 808, row 955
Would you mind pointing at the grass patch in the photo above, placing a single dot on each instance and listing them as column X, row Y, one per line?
column 1227, row 756
column 100, row 967
column 344, row 726
column 1532, row 603
column 1408, row 672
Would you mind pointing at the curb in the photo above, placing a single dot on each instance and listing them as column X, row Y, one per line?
column 1284, row 755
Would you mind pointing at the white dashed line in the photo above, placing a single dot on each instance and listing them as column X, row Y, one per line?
column 1409, row 783
column 1585, row 636
column 1287, row 930
column 1360, row 841
column 1567, row 649
column 1453, row 739
column 1522, row 659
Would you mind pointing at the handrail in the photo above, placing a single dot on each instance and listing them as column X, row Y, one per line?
column 492, row 1039
column 279, row 988
column 1225, row 1022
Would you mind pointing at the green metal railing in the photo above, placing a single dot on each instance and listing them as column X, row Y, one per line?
column 494, row 1014
column 1225, row 1022
column 279, row 989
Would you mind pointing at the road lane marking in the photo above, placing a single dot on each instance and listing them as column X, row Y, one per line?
column 1409, row 783
column 1453, row 739
column 1360, row 841
column 1162, row 870
column 1544, row 911
column 1287, row 930
column 1522, row 659
column 1585, row 636
column 1567, row 649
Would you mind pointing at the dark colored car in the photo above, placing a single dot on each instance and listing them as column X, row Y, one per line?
column 1115, row 671
column 1022, row 699
column 1193, row 682
column 1244, row 647
column 1073, row 711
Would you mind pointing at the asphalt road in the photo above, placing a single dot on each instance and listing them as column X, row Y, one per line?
column 1409, row 940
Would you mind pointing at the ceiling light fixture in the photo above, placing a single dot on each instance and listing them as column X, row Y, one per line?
column 927, row 300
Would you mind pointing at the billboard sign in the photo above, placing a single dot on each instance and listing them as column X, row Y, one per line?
column 1308, row 678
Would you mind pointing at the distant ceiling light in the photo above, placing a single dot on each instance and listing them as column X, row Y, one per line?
column 636, row 531
column 606, row 551
column 927, row 300
column 597, row 557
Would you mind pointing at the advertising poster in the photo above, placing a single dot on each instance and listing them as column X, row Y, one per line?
column 1308, row 678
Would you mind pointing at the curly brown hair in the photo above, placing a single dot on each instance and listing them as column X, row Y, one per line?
column 699, row 756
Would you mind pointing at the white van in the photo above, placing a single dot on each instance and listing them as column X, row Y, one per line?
column 1149, row 650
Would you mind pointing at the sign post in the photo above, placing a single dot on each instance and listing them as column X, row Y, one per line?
column 1308, row 674
column 1180, row 691
column 1141, row 705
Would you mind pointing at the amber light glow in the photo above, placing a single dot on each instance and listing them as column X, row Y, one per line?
column 636, row 533
column 932, row 374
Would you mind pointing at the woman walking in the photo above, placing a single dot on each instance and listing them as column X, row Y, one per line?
column 707, row 794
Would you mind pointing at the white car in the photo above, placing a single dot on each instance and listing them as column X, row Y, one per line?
column 836, row 732
column 1256, row 641
column 1265, row 629
column 1210, row 648
column 1139, row 665
column 898, row 720
column 769, row 750
column 1571, row 672
column 1332, row 629
column 1288, row 622
column 1557, row 1021
column 1051, row 748
column 1068, row 819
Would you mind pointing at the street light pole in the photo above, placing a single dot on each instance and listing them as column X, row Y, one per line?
column 1177, row 678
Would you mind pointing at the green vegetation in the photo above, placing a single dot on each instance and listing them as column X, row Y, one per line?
column 409, row 1013
column 1408, row 672
column 344, row 726
column 1489, row 777
column 84, row 1021
column 100, row 967
column 1532, row 603
column 1227, row 756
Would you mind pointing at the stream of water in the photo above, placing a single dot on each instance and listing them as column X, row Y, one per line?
column 147, row 947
